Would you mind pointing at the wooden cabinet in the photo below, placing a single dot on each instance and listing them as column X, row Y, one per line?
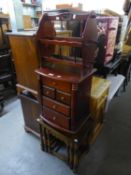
column 65, row 79
column 26, row 61
column 99, row 94
column 31, row 111
column 25, row 56
column 66, row 100
column 32, row 12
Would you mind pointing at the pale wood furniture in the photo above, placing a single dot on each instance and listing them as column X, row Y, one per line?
column 26, row 61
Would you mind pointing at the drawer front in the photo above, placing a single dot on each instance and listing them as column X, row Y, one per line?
column 98, row 111
column 63, row 97
column 103, row 96
column 63, row 86
column 49, row 92
column 56, row 106
column 56, row 118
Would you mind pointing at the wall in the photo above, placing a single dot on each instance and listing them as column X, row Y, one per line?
column 14, row 9
column 18, row 8
column 4, row 5
column 115, row 5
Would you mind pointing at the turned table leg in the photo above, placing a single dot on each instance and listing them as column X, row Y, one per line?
column 41, row 138
column 48, row 141
column 76, row 155
column 71, row 155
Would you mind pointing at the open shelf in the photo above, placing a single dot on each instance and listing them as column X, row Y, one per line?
column 31, row 5
column 33, row 17
column 77, row 64
column 61, row 42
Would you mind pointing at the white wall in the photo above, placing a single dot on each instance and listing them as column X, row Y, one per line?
column 14, row 9
column 8, row 8
column 115, row 5
column 4, row 5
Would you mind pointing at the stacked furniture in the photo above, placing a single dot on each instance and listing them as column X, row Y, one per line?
column 26, row 61
column 65, row 83
column 77, row 143
column 66, row 146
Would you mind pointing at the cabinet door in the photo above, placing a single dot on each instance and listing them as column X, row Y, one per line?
column 31, row 111
column 25, row 60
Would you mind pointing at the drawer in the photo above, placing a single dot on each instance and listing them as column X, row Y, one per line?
column 56, row 118
column 103, row 96
column 49, row 92
column 96, row 102
column 98, row 112
column 63, row 97
column 64, row 109
column 63, row 86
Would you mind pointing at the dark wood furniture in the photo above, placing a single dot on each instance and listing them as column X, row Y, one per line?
column 4, row 26
column 76, row 143
column 65, row 103
column 7, row 75
column 65, row 81
column 31, row 110
column 73, row 145
column 6, row 70
column 25, row 58
column 110, row 68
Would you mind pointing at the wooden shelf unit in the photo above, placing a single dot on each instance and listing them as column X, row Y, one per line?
column 31, row 5
column 64, row 75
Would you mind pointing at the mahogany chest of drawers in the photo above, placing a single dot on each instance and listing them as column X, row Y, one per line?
column 64, row 99
column 65, row 79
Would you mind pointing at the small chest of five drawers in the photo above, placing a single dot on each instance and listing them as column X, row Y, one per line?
column 56, row 101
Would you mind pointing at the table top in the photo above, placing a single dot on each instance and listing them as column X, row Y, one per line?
column 99, row 85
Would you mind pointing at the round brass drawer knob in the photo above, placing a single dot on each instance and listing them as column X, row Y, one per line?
column 54, row 83
column 54, row 106
column 54, row 118
column 62, row 98
column 47, row 92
